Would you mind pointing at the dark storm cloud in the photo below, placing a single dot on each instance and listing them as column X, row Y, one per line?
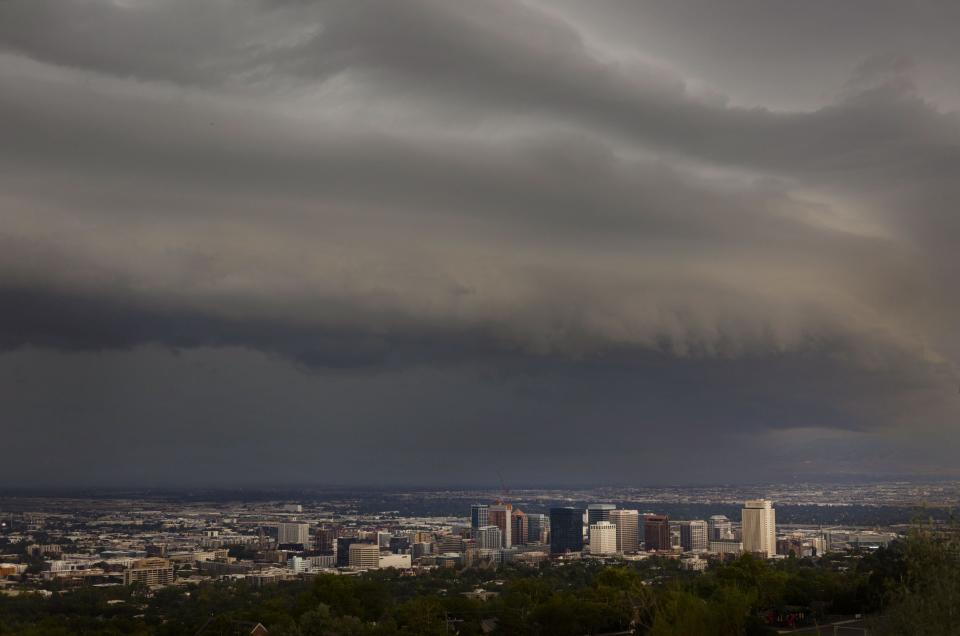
column 521, row 217
column 478, row 59
column 629, row 420
column 561, row 196
column 70, row 323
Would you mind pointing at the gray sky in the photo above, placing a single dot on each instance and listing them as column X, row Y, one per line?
column 261, row 241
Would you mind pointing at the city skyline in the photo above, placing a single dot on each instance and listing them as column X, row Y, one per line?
column 174, row 554
column 433, row 243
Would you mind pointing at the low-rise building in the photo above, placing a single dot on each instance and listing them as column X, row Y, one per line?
column 151, row 571
column 399, row 561
column 726, row 547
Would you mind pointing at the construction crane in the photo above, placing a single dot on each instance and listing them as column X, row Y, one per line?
column 503, row 487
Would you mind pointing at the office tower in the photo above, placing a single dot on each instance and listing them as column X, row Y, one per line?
column 719, row 528
column 421, row 548
column 325, row 539
column 628, row 530
column 656, row 532
column 450, row 543
column 759, row 528
column 383, row 539
column 293, row 534
column 151, row 571
column 693, row 536
column 536, row 528
column 479, row 516
column 419, row 536
column 603, row 538
column 499, row 515
column 518, row 533
column 399, row 545
column 599, row 512
column 566, row 530
column 795, row 545
column 489, row 538
column 343, row 550
column 364, row 555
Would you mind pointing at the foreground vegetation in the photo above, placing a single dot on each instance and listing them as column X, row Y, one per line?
column 912, row 587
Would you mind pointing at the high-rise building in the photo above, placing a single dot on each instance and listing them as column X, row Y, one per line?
column 343, row 550
column 518, row 533
column 450, row 543
column 566, row 530
column 758, row 525
column 628, row 530
column 796, row 544
column 421, row 548
column 603, row 538
column 693, row 536
column 489, row 538
column 499, row 515
column 599, row 512
column 419, row 536
column 383, row 539
column 325, row 538
column 364, row 555
column 537, row 525
column 293, row 534
column 656, row 533
column 151, row 571
column 400, row 545
column 479, row 516
column 719, row 528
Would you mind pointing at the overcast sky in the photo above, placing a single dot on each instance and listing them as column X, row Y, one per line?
column 420, row 242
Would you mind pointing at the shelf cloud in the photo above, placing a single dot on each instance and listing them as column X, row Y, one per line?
column 274, row 224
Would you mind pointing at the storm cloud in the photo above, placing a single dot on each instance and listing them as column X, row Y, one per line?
column 269, row 228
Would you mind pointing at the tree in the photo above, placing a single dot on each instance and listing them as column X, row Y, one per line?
column 422, row 615
column 926, row 599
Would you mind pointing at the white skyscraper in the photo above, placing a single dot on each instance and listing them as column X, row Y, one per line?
column 693, row 536
column 628, row 530
column 293, row 533
column 603, row 538
column 759, row 528
column 489, row 537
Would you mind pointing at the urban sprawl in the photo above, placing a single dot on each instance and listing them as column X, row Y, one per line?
column 63, row 544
